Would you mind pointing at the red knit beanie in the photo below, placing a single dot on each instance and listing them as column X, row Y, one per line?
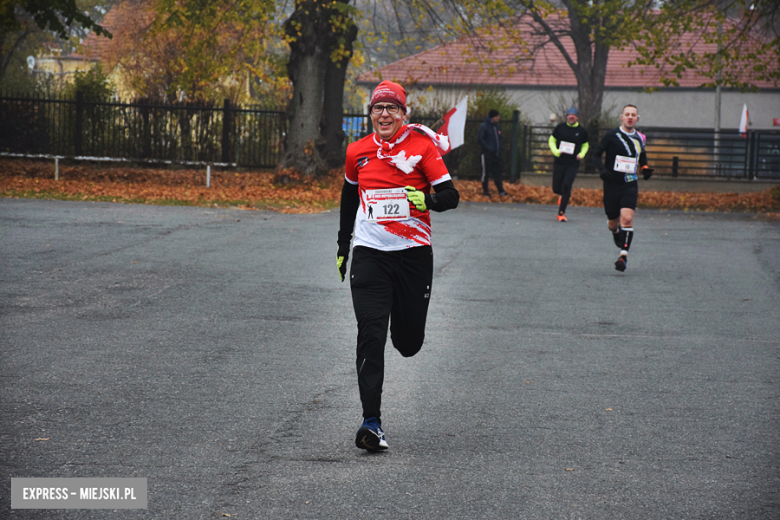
column 389, row 92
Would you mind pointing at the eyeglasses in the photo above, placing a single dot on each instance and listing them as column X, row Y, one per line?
column 391, row 109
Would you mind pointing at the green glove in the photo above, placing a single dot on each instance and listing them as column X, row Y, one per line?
column 341, row 264
column 556, row 153
column 416, row 197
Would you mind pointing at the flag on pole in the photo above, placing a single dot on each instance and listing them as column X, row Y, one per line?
column 455, row 124
column 743, row 121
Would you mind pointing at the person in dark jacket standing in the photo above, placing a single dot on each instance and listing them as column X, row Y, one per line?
column 489, row 138
column 569, row 144
column 625, row 156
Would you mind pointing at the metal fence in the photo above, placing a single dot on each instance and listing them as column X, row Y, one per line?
column 672, row 152
column 165, row 133
column 250, row 137
column 678, row 152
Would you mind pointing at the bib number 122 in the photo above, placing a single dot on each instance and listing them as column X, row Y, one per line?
column 387, row 205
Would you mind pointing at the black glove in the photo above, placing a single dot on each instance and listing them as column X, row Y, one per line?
column 604, row 175
column 647, row 172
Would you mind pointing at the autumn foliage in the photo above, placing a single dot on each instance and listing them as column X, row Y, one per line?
column 287, row 192
column 192, row 52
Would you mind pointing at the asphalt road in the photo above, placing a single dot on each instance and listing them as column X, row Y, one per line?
column 211, row 352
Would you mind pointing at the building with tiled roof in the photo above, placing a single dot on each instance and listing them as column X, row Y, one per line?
column 51, row 62
column 92, row 50
column 103, row 50
column 541, row 82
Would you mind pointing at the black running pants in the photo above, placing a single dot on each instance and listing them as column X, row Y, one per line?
column 563, row 180
column 492, row 166
column 394, row 287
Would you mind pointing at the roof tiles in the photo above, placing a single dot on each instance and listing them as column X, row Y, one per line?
column 458, row 64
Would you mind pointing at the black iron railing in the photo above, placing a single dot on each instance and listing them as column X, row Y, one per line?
column 250, row 137
column 676, row 152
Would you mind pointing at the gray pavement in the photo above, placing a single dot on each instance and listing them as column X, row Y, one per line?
column 211, row 352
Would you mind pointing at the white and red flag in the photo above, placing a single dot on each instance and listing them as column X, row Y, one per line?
column 455, row 124
column 743, row 121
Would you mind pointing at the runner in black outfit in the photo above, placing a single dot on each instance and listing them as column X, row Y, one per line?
column 569, row 144
column 625, row 149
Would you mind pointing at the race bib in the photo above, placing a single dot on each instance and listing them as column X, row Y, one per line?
column 566, row 147
column 386, row 205
column 625, row 164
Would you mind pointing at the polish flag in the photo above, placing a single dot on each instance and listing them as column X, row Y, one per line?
column 743, row 122
column 455, row 124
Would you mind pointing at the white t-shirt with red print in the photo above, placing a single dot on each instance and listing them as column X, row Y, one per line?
column 380, row 171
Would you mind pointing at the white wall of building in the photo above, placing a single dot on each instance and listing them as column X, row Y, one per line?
column 680, row 108
column 666, row 108
column 697, row 108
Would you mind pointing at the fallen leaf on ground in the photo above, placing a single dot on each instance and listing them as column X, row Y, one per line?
column 262, row 190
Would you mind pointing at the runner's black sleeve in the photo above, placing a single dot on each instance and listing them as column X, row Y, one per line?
column 350, row 202
column 598, row 152
column 446, row 197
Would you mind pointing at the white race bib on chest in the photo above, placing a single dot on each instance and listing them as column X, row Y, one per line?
column 625, row 164
column 386, row 205
column 566, row 147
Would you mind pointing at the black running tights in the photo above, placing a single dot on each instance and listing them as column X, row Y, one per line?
column 394, row 287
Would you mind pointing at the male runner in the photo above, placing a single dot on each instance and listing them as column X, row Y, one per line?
column 389, row 175
column 625, row 149
column 569, row 144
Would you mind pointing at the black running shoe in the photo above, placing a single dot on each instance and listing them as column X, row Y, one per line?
column 620, row 265
column 370, row 436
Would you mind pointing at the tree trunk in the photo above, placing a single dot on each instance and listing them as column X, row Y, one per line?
column 590, row 89
column 590, row 70
column 313, row 36
column 590, row 67
column 332, row 149
column 591, row 73
column 306, row 68
column 303, row 136
column 592, row 98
